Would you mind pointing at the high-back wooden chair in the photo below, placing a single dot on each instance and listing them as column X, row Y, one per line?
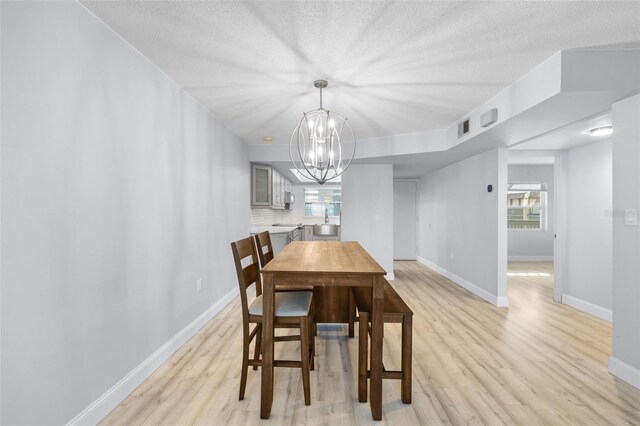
column 292, row 309
column 265, row 254
column 265, row 248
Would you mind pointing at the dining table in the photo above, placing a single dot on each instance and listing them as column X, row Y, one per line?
column 323, row 264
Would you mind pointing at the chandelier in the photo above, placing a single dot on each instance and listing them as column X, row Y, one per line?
column 316, row 146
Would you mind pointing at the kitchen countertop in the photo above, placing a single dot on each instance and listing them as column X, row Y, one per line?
column 273, row 229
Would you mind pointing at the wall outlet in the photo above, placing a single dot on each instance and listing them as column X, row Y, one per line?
column 199, row 285
column 451, row 255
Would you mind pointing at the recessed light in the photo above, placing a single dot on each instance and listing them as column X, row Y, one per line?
column 268, row 139
column 601, row 131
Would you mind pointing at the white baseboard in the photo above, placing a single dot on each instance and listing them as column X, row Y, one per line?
column 530, row 258
column 624, row 371
column 499, row 301
column 390, row 276
column 588, row 307
column 502, row 302
column 102, row 406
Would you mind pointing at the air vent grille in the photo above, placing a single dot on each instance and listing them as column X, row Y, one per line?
column 463, row 128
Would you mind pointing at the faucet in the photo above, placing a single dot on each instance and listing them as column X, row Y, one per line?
column 326, row 215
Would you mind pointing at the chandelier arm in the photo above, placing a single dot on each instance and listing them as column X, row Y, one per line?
column 309, row 174
column 344, row 120
column 295, row 164
column 353, row 152
column 298, row 128
column 324, row 173
column 339, row 159
column 295, row 133
column 332, row 154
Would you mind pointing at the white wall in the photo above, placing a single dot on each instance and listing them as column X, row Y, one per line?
column 119, row 191
column 588, row 276
column 462, row 227
column 367, row 211
column 625, row 359
column 524, row 244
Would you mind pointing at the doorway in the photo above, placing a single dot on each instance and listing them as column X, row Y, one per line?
column 531, row 221
column 405, row 217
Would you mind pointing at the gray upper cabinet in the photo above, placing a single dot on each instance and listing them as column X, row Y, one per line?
column 261, row 185
column 278, row 187
column 268, row 187
column 275, row 189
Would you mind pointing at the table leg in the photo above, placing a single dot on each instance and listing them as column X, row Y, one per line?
column 377, row 311
column 266, row 385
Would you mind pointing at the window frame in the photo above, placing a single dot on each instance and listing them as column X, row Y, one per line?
column 543, row 191
column 318, row 191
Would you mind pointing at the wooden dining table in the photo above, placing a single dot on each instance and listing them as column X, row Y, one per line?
column 324, row 264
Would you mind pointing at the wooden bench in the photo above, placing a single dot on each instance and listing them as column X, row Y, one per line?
column 395, row 311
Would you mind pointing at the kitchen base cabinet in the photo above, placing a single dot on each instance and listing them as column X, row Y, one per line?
column 307, row 233
column 278, row 241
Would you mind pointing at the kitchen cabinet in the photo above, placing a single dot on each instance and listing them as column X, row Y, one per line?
column 279, row 185
column 277, row 182
column 278, row 242
column 261, row 185
column 308, row 233
column 268, row 187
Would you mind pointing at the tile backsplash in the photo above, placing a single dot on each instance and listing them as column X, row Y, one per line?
column 265, row 217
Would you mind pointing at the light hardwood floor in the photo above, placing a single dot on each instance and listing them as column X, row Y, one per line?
column 536, row 362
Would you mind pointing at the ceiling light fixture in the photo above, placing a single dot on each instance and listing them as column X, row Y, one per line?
column 317, row 147
column 601, row 131
column 268, row 139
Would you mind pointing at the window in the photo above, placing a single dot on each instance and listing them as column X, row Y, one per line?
column 526, row 204
column 316, row 200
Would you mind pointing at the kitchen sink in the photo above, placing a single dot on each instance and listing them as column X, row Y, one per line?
column 326, row 230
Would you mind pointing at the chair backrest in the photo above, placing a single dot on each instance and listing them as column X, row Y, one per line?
column 248, row 274
column 263, row 240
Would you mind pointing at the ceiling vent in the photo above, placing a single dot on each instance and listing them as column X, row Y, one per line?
column 463, row 128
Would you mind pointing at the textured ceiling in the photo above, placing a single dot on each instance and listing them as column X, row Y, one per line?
column 393, row 67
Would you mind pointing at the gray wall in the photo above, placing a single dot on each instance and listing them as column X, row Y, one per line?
column 367, row 211
column 527, row 244
column 625, row 360
column 462, row 227
column 113, row 205
column 589, row 226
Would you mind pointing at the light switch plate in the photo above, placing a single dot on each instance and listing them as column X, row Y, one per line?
column 631, row 217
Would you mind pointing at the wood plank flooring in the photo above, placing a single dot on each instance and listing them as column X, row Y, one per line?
column 536, row 362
